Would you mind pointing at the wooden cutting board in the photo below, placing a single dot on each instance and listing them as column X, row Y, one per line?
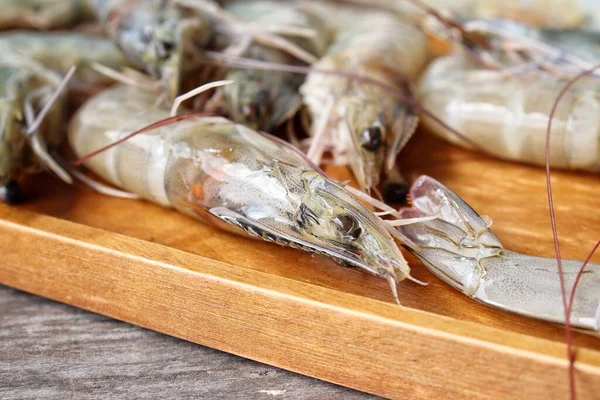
column 153, row 267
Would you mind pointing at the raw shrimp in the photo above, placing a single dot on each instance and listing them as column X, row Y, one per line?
column 44, row 14
column 461, row 250
column 364, row 126
column 265, row 99
column 225, row 173
column 26, row 87
column 508, row 116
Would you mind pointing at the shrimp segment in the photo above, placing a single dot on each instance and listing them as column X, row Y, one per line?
column 508, row 116
column 460, row 249
column 233, row 177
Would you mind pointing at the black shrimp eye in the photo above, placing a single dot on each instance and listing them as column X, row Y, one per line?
column 163, row 49
column 12, row 193
column 348, row 225
column 371, row 138
column 395, row 192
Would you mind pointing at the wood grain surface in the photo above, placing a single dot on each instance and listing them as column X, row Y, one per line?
column 302, row 312
column 53, row 351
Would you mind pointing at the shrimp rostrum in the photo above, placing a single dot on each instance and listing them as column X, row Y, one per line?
column 460, row 248
column 227, row 174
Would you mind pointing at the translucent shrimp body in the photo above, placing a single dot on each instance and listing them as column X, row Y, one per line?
column 363, row 125
column 508, row 116
column 226, row 174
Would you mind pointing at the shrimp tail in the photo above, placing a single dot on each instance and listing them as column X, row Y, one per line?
column 460, row 248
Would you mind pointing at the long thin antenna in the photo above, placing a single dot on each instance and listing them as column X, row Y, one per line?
column 195, row 92
column 155, row 125
column 42, row 114
column 569, row 338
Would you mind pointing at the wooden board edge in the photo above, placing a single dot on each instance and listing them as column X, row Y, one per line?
column 357, row 342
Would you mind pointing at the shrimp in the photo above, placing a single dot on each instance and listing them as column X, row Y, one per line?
column 265, row 99
column 158, row 37
column 59, row 51
column 44, row 14
column 365, row 127
column 227, row 174
column 26, row 87
column 507, row 116
column 461, row 250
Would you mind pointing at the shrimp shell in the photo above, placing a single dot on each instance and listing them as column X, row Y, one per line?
column 508, row 116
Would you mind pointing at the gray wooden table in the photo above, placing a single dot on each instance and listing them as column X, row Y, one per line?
column 50, row 350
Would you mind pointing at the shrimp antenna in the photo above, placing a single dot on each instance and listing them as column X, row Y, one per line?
column 242, row 62
column 59, row 89
column 567, row 307
column 195, row 92
column 580, row 274
column 158, row 124
column 259, row 35
column 140, row 81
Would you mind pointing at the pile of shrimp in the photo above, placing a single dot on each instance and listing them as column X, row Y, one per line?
column 227, row 110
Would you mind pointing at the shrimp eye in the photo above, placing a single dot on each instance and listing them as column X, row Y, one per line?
column 371, row 138
column 164, row 49
column 348, row 225
column 395, row 192
column 12, row 193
